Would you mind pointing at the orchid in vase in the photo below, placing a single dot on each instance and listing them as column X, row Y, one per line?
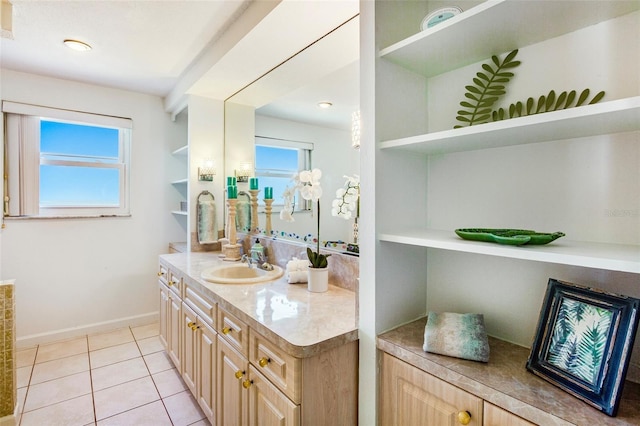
column 307, row 182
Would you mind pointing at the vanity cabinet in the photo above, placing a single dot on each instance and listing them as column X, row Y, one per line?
column 170, row 313
column 240, row 372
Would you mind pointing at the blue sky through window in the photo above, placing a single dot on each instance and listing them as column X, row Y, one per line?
column 70, row 185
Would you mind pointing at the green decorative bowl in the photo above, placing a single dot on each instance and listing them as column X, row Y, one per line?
column 513, row 237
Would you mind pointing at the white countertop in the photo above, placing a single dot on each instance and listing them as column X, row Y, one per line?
column 303, row 323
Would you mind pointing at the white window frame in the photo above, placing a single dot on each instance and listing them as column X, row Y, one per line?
column 23, row 160
column 304, row 163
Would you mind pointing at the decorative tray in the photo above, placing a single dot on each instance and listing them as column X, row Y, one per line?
column 514, row 237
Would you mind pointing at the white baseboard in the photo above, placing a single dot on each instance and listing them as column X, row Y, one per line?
column 70, row 333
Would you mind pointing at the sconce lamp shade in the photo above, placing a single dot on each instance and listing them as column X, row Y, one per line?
column 244, row 171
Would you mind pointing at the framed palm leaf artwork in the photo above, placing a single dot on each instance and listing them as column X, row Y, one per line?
column 583, row 342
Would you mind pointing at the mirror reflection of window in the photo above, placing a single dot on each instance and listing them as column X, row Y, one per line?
column 277, row 161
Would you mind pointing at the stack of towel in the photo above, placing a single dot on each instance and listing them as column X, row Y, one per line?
column 297, row 270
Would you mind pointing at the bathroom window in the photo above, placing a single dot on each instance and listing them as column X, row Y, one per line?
column 65, row 163
column 277, row 161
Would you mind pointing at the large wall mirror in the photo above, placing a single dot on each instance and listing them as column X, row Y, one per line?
column 278, row 127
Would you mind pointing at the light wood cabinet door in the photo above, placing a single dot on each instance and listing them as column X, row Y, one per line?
column 267, row 405
column 164, row 317
column 496, row 416
column 409, row 396
column 189, row 348
column 232, row 399
column 207, row 350
column 174, row 324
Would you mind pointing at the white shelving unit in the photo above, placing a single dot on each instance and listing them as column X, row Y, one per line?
column 412, row 251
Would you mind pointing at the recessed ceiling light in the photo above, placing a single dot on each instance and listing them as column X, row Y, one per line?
column 80, row 46
column 325, row 105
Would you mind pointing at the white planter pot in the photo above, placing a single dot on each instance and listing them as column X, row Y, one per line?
column 318, row 280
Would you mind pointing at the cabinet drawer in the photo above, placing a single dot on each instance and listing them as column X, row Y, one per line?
column 163, row 273
column 233, row 331
column 280, row 368
column 205, row 309
column 174, row 282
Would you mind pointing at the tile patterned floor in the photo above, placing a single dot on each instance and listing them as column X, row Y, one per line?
column 119, row 378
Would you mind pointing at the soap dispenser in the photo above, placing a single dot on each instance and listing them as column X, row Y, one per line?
column 257, row 251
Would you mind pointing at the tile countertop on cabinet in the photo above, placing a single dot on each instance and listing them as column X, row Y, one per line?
column 300, row 322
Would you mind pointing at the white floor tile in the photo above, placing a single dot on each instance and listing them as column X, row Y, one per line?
column 115, row 374
column 153, row 414
column 112, row 338
column 61, row 349
column 73, row 412
column 25, row 357
column 57, row 390
column 113, row 354
column 157, row 362
column 145, row 331
column 23, row 376
column 150, row 345
column 183, row 409
column 118, row 399
column 57, row 368
column 169, row 382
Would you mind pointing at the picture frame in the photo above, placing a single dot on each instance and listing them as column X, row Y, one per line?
column 583, row 342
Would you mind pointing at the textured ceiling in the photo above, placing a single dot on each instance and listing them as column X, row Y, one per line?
column 137, row 45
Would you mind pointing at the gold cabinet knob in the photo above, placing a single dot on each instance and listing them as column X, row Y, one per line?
column 191, row 324
column 194, row 327
column 160, row 274
column 227, row 330
column 171, row 283
column 247, row 384
column 239, row 374
column 264, row 361
column 464, row 417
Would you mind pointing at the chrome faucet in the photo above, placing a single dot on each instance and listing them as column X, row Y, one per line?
column 248, row 260
column 261, row 261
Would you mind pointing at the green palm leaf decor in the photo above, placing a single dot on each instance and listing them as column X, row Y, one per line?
column 487, row 88
column 489, row 85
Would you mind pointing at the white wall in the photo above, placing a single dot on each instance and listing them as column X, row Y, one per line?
column 82, row 275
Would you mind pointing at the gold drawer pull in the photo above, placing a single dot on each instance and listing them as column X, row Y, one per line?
column 264, row 361
column 160, row 274
column 464, row 417
column 239, row 374
column 191, row 324
column 227, row 330
column 171, row 283
column 194, row 327
column 247, row 384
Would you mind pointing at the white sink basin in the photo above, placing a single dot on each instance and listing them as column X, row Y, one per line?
column 241, row 274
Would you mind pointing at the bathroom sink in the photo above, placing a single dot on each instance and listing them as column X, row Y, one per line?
column 240, row 274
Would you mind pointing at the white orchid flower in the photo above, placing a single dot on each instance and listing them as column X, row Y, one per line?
column 285, row 214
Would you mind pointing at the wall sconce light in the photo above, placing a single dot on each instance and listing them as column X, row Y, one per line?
column 355, row 129
column 243, row 173
column 207, row 170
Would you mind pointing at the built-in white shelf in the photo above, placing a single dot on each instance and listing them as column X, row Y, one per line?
column 183, row 150
column 617, row 116
column 180, row 182
column 179, row 213
column 613, row 257
column 494, row 27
